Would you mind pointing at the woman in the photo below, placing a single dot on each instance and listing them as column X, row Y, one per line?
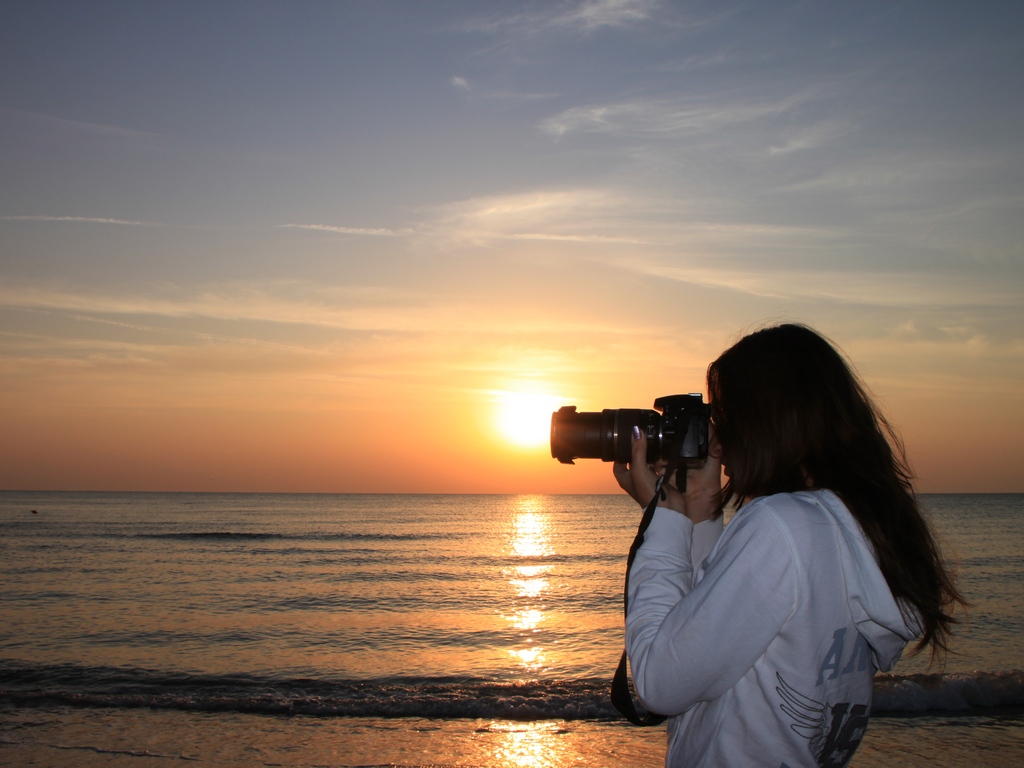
column 760, row 641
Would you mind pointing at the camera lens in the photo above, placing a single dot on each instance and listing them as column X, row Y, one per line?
column 607, row 435
column 678, row 432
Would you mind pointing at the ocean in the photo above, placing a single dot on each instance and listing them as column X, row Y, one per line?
column 412, row 630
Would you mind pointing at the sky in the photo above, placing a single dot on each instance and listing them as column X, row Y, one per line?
column 370, row 246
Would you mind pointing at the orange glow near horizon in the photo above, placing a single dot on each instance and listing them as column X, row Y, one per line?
column 434, row 420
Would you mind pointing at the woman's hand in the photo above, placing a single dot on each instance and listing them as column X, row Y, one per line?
column 638, row 478
column 702, row 499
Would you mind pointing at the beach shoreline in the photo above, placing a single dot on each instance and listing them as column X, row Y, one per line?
column 133, row 738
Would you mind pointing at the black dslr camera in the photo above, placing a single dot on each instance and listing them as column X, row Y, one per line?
column 678, row 434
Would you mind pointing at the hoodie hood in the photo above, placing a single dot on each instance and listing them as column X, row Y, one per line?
column 887, row 624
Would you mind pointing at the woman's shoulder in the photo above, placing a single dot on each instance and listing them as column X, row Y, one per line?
column 798, row 524
column 791, row 511
column 796, row 502
column 762, row 529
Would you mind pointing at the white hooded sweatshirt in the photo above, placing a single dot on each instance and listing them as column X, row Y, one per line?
column 763, row 654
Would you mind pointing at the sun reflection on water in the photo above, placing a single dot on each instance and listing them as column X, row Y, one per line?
column 532, row 587
column 530, row 745
column 527, row 619
column 530, row 534
column 529, row 539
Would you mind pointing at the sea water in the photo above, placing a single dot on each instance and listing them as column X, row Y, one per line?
column 251, row 629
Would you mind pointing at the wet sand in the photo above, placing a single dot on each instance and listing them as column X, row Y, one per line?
column 134, row 738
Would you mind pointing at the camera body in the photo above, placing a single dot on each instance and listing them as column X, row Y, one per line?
column 676, row 429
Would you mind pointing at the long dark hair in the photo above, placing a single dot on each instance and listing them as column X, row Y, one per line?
column 791, row 414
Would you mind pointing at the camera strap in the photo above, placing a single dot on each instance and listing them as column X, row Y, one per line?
column 622, row 696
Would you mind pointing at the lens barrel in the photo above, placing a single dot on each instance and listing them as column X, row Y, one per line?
column 606, row 435
column 680, row 431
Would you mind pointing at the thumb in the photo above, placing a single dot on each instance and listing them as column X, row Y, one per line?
column 639, row 448
column 644, row 479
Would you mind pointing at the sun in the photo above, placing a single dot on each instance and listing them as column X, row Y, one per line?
column 524, row 418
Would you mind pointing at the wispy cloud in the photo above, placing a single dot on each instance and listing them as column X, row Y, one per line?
column 370, row 231
column 571, row 215
column 51, row 122
column 594, row 14
column 666, row 116
column 810, row 137
column 84, row 220
column 585, row 15
column 571, row 238
column 496, row 95
column 907, row 290
column 287, row 303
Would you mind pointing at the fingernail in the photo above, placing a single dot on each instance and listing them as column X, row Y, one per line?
column 636, row 433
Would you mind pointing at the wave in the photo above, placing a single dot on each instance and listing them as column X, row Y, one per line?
column 586, row 699
column 256, row 536
column 452, row 698
column 948, row 692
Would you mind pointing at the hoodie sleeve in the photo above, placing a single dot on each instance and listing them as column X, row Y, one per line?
column 680, row 546
column 691, row 643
